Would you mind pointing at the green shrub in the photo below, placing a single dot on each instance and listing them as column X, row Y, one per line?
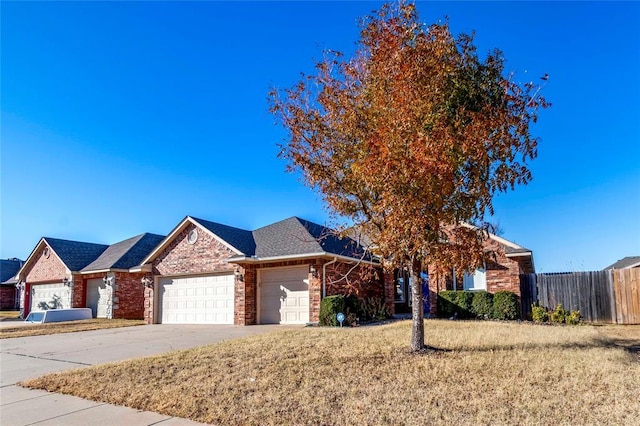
column 482, row 304
column 505, row 306
column 539, row 313
column 573, row 318
column 463, row 301
column 329, row 308
column 559, row 315
column 447, row 303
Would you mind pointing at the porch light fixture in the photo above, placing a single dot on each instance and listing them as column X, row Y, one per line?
column 19, row 286
column 67, row 282
column 109, row 279
column 313, row 271
column 147, row 281
column 239, row 275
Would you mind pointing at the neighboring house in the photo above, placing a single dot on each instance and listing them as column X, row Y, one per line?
column 206, row 272
column 64, row 274
column 507, row 260
column 626, row 263
column 8, row 270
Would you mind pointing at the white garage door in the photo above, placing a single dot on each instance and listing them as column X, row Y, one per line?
column 50, row 296
column 98, row 296
column 197, row 300
column 284, row 295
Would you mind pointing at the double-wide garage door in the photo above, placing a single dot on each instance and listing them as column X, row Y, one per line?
column 50, row 296
column 284, row 295
column 197, row 300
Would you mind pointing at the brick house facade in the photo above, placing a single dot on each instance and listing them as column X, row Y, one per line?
column 218, row 250
column 505, row 262
column 60, row 270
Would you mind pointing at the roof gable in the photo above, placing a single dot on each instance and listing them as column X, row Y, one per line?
column 75, row 254
column 125, row 254
column 240, row 240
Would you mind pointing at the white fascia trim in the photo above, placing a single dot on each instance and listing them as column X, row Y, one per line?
column 99, row 271
column 524, row 253
column 239, row 259
column 147, row 267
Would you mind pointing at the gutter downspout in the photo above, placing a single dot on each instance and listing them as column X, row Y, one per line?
column 324, row 276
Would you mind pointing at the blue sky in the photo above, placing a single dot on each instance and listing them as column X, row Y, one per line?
column 120, row 118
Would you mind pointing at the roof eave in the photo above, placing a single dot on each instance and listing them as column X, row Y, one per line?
column 256, row 259
column 99, row 271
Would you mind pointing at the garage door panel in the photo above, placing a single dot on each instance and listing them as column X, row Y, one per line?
column 49, row 296
column 197, row 300
column 284, row 295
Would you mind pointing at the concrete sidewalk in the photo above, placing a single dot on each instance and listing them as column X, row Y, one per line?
column 29, row 357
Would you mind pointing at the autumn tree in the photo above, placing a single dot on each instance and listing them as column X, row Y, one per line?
column 410, row 138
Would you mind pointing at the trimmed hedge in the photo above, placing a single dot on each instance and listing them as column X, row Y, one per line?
column 329, row 308
column 447, row 306
column 482, row 305
column 478, row 304
column 505, row 306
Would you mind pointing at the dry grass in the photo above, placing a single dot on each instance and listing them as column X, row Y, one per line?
column 26, row 330
column 9, row 315
column 483, row 373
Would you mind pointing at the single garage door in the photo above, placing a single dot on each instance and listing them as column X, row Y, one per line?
column 98, row 296
column 197, row 300
column 284, row 295
column 50, row 296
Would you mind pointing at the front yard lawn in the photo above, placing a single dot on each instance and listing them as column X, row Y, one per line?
column 482, row 373
column 25, row 330
column 9, row 315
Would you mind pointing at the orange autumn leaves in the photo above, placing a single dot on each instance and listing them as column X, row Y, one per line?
column 410, row 137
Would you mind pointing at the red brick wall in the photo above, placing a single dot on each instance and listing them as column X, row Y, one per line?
column 79, row 298
column 43, row 269
column 128, row 296
column 361, row 281
column 7, row 297
column 206, row 256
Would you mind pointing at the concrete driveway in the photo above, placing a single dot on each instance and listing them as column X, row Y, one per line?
column 29, row 357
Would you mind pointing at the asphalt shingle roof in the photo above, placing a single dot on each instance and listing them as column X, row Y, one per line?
column 125, row 254
column 625, row 262
column 75, row 254
column 238, row 238
column 295, row 236
column 289, row 237
column 9, row 268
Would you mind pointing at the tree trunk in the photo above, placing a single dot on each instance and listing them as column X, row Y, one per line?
column 417, row 310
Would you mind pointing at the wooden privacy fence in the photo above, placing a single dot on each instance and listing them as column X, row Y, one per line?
column 611, row 296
